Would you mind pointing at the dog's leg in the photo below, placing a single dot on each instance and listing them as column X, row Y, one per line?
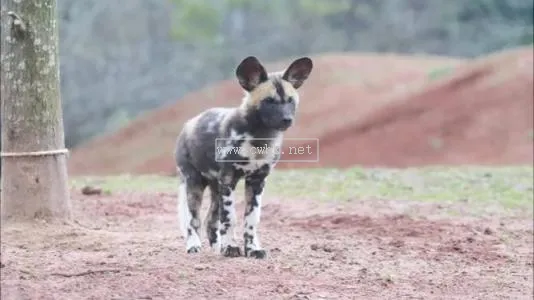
column 227, row 214
column 191, row 190
column 254, row 185
column 212, row 219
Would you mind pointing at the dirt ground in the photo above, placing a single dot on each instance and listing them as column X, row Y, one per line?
column 127, row 246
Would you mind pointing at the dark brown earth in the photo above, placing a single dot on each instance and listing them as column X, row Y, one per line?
column 127, row 246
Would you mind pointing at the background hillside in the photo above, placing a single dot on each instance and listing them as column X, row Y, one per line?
column 120, row 59
column 367, row 110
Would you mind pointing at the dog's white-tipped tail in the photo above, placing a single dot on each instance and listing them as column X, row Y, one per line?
column 184, row 216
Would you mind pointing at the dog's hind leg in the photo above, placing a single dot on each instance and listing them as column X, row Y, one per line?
column 191, row 191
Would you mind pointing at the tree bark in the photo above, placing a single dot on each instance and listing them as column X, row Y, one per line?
column 32, row 186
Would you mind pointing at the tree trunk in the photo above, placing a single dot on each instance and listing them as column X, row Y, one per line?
column 33, row 185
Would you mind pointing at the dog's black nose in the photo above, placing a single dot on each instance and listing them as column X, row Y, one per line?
column 287, row 121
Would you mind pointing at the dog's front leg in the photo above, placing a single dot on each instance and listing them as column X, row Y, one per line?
column 227, row 214
column 254, row 185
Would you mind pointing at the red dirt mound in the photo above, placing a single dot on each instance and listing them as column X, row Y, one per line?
column 482, row 115
column 342, row 88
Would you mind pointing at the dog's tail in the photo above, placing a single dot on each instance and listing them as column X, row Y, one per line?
column 184, row 216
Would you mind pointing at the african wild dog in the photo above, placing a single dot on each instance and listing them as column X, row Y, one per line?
column 267, row 110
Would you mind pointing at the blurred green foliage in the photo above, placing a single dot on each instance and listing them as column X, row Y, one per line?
column 195, row 20
column 201, row 20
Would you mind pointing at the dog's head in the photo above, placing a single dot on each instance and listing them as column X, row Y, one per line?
column 273, row 97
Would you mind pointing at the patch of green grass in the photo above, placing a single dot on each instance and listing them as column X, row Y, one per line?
column 439, row 73
column 511, row 187
column 126, row 183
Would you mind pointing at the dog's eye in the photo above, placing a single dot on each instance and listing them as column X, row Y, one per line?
column 269, row 100
column 290, row 99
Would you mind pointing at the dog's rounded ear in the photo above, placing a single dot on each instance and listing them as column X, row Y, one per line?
column 298, row 71
column 250, row 73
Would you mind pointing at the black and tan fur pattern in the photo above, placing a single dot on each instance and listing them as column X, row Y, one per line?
column 268, row 109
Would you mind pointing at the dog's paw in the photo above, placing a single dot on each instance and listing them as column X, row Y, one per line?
column 194, row 249
column 231, row 251
column 260, row 254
